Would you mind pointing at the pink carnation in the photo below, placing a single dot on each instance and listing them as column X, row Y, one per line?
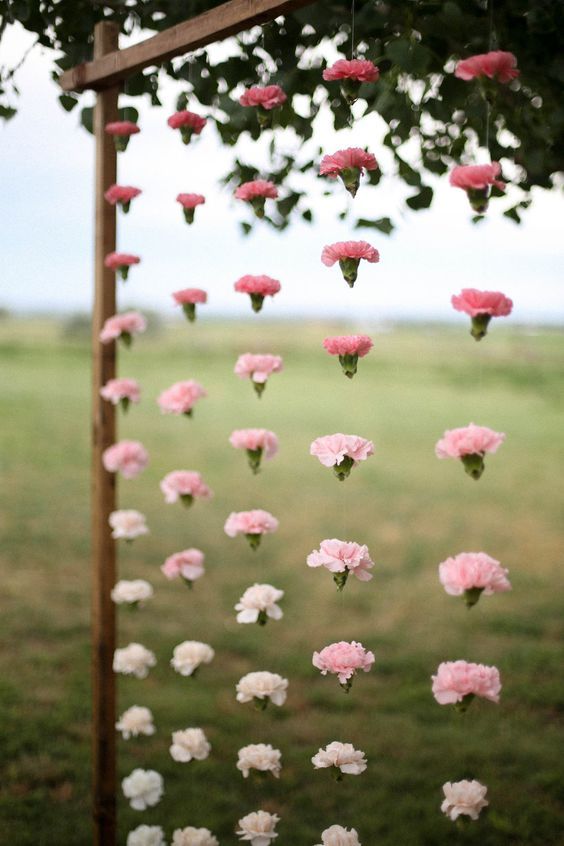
column 122, row 127
column 361, row 70
column 468, row 440
column 253, row 524
column 123, row 326
column 477, row 177
column 458, row 682
column 122, row 194
column 471, row 574
column 267, row 97
column 188, row 564
column 258, row 188
column 121, row 390
column 121, row 262
column 190, row 201
column 350, row 165
column 257, row 368
column 258, row 287
column 126, row 457
column 349, row 254
column 190, row 296
column 349, row 348
column 341, row 558
column 185, row 485
column 496, row 64
column 474, row 302
column 343, row 659
column 181, row 397
column 343, row 452
column 187, row 119
column 255, row 439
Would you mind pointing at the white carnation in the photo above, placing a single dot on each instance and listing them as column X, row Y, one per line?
column 187, row 656
column 143, row 788
column 259, row 756
column 137, row 591
column 336, row 835
column 127, row 524
column 258, row 828
column 341, row 755
column 262, row 685
column 146, row 835
column 188, row 744
column 259, row 603
column 464, row 797
column 135, row 721
column 194, row 837
column 134, row 660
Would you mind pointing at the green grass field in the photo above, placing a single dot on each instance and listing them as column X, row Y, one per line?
column 411, row 509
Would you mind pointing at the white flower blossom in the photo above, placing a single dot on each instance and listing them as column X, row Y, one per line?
column 259, row 756
column 336, row 835
column 127, row 524
column 188, row 744
column 135, row 721
column 262, row 686
column 137, row 592
column 341, row 755
column 188, row 656
column 134, row 660
column 194, row 837
column 146, row 835
column 258, row 828
column 143, row 788
column 259, row 603
column 464, row 797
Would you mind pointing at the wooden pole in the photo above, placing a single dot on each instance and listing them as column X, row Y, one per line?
column 103, row 483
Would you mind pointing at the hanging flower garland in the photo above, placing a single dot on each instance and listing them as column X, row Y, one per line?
column 342, row 558
column 349, row 165
column 257, row 443
column 258, row 368
column 126, row 457
column 464, row 798
column 258, row 828
column 146, row 835
column 120, row 263
column 187, row 565
column 127, row 524
column 343, row 659
column 259, row 605
column 341, row 452
column 266, row 99
column 143, row 788
column 257, row 287
column 349, row 255
column 471, row 574
column 188, row 123
column 189, row 202
column 349, row 348
column 260, row 757
column 134, row 660
column 189, row 656
column 136, row 721
column 184, row 485
column 351, row 73
column 121, row 392
column 262, row 687
column 121, row 195
column 477, row 181
column 189, row 298
column 481, row 306
column 134, row 593
column 345, row 759
column 459, row 682
column 253, row 524
column 191, row 836
column 189, row 744
column 497, row 64
column 121, row 131
column 123, row 327
column 256, row 193
column 470, row 444
column 181, row 398
column 336, row 835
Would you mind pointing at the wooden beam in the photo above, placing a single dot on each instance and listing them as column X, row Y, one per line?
column 103, row 483
column 214, row 25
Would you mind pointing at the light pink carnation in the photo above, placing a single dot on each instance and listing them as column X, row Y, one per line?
column 478, row 177
column 267, row 97
column 360, row 70
column 457, row 680
column 257, row 188
column 121, row 390
column 123, row 326
column 343, row 659
column 187, row 120
column 122, row 127
column 122, row 195
column 474, row 302
column 126, row 457
column 343, row 452
column 253, row 524
column 349, row 254
column 190, row 201
column 342, row 558
column 469, row 443
column 186, row 485
column 350, row 165
column 471, row 574
column 188, row 564
column 496, row 64
column 259, row 443
column 181, row 397
column 190, row 296
column 257, row 368
column 359, row 345
column 121, row 262
column 466, row 798
column 258, row 287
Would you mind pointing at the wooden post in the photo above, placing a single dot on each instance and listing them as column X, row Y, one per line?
column 103, row 483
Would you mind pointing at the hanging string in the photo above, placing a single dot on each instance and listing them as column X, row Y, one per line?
column 490, row 8
column 352, row 28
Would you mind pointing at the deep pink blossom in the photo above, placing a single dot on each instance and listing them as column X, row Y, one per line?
column 458, row 682
column 343, row 659
column 481, row 306
column 256, row 193
column 122, row 391
column 121, row 262
column 185, row 485
column 267, row 97
column 477, row 180
column 470, row 444
column 342, row 452
column 189, row 203
column 470, row 574
column 188, row 564
column 342, row 558
column 188, row 298
column 349, row 348
column 349, row 254
column 257, row 368
column 188, row 123
column 351, row 74
column 121, row 130
column 350, row 165
column 253, row 524
column 123, row 326
column 121, row 195
column 258, row 287
column 181, row 397
column 126, row 457
column 497, row 64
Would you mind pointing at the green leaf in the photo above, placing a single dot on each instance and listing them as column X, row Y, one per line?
column 513, row 214
column 383, row 224
column 87, row 119
column 246, row 227
column 7, row 112
column 422, row 200
column 129, row 113
column 68, row 102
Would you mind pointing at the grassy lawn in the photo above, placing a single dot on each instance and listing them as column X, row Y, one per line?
column 411, row 509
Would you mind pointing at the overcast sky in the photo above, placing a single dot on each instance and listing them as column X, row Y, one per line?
column 46, row 205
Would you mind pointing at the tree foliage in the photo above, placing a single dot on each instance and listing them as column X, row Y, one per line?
column 414, row 43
